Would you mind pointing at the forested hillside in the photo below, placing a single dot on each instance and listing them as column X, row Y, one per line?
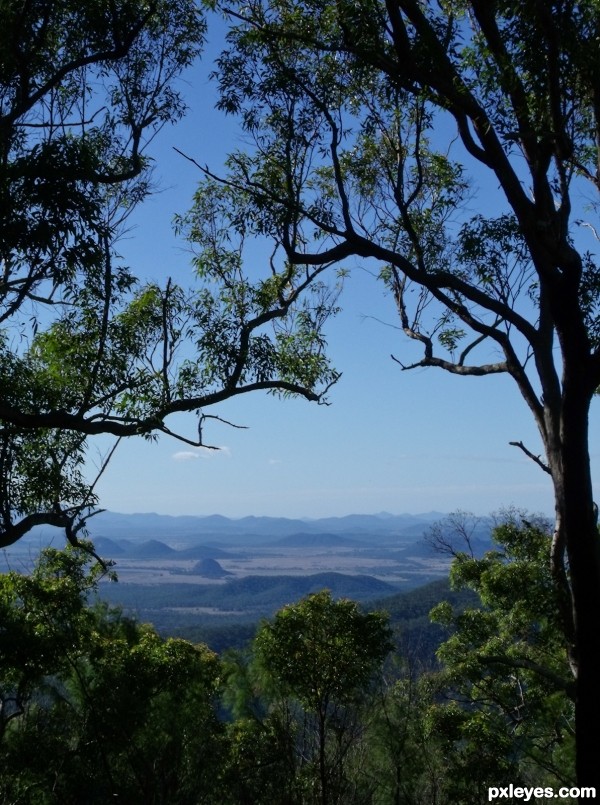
column 324, row 702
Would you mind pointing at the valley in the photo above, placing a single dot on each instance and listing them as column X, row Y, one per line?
column 182, row 573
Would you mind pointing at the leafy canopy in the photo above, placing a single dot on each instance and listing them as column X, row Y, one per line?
column 94, row 706
column 505, row 667
column 321, row 650
column 85, row 347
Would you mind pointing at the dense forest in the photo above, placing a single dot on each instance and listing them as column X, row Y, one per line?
column 326, row 702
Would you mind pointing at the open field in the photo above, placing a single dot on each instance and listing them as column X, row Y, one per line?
column 397, row 570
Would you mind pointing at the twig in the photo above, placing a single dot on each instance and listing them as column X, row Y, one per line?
column 532, row 456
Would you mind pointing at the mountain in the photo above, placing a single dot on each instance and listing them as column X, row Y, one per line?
column 210, row 569
column 152, row 549
column 108, row 548
column 188, row 529
column 249, row 596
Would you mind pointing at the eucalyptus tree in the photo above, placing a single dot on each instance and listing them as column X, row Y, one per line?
column 509, row 702
column 85, row 348
column 454, row 144
column 317, row 660
column 94, row 706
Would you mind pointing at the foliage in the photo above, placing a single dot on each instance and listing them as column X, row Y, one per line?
column 498, row 709
column 260, row 766
column 406, row 762
column 321, row 650
column 506, row 667
column 85, row 348
column 43, row 617
column 113, row 710
column 84, row 87
column 312, row 668
column 95, row 706
column 305, row 714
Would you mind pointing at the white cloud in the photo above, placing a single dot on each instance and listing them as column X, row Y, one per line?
column 274, row 461
column 202, row 452
column 185, row 455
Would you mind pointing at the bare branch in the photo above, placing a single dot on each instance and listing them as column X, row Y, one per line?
column 532, row 456
column 455, row 534
column 455, row 368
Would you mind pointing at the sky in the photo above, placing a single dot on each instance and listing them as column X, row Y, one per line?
column 389, row 440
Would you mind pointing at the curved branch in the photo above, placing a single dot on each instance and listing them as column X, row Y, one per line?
column 131, row 426
column 566, row 685
column 58, row 518
column 455, row 368
column 119, row 51
column 532, row 456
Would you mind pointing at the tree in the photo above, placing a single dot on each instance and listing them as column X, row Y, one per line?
column 322, row 654
column 45, row 623
column 95, row 706
column 85, row 349
column 376, row 125
column 499, row 707
column 406, row 760
column 144, row 723
column 505, row 670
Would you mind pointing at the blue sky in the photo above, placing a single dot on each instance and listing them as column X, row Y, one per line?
column 389, row 441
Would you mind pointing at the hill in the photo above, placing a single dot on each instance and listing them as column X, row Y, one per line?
column 416, row 636
column 417, row 639
column 108, row 548
column 247, row 598
column 152, row 549
column 209, row 569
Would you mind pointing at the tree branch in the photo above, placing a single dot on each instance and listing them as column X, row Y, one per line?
column 532, row 456
column 566, row 685
column 455, row 368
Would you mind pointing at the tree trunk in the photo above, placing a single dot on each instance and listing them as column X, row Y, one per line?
column 576, row 520
column 322, row 757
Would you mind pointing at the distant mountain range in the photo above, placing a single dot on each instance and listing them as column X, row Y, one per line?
column 247, row 530
column 154, row 549
column 172, row 574
column 158, row 536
